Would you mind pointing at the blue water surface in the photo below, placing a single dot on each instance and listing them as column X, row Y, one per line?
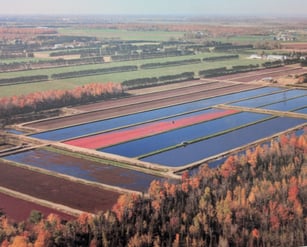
column 288, row 105
column 304, row 110
column 104, row 125
column 80, row 168
column 174, row 137
column 213, row 146
column 270, row 99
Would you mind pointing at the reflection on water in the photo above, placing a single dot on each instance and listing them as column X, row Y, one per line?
column 213, row 146
column 85, row 129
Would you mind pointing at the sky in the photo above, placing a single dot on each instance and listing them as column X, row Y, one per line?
column 157, row 7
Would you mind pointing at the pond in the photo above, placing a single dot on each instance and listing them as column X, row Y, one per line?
column 213, row 146
column 220, row 161
column 171, row 138
column 270, row 99
column 288, row 105
column 85, row 169
column 104, row 125
column 304, row 110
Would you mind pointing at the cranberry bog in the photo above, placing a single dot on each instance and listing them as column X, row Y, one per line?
column 143, row 117
column 19, row 210
column 169, row 136
column 111, row 176
column 121, row 146
column 127, row 134
column 56, row 190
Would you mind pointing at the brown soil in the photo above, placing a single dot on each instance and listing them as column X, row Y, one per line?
column 58, row 190
column 290, row 80
column 5, row 146
column 19, row 210
column 98, row 172
column 109, row 109
column 259, row 74
column 274, row 75
column 166, row 97
column 294, row 46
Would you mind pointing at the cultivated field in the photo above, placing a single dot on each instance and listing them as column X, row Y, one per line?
column 140, row 103
column 89, row 155
column 19, row 210
column 55, row 189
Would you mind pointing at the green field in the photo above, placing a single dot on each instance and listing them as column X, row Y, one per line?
column 112, row 77
column 140, row 37
column 51, row 71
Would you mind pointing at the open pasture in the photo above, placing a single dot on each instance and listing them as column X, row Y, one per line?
column 70, row 83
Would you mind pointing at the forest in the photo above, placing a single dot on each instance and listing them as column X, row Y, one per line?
column 252, row 199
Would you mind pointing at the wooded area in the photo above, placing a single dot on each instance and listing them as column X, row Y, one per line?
column 39, row 101
column 255, row 199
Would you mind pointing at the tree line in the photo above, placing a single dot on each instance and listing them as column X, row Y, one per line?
column 38, row 101
column 170, row 63
column 155, row 81
column 40, row 64
column 89, row 72
column 252, row 199
column 23, row 79
column 220, row 58
column 30, row 65
column 226, row 71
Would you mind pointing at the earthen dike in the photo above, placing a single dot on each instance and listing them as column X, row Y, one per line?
column 138, row 101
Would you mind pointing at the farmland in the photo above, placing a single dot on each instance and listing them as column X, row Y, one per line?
column 116, row 77
column 151, row 132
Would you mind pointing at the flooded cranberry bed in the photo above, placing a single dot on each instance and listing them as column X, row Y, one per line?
column 224, row 142
column 178, row 135
column 85, row 169
column 72, row 132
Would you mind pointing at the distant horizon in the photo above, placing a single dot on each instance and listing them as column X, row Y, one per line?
column 182, row 17
column 218, row 8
